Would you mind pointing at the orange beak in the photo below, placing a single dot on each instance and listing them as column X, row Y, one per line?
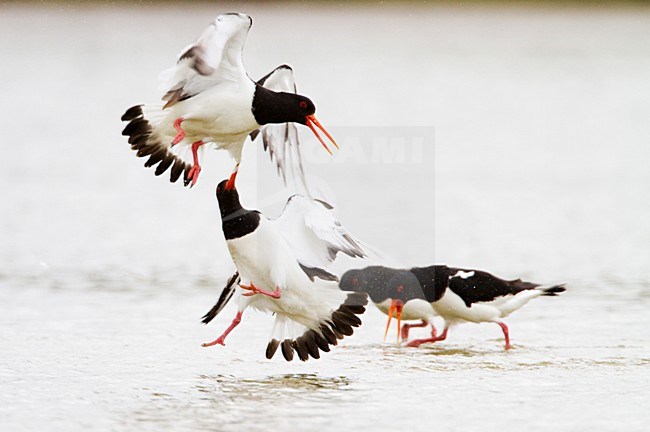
column 395, row 308
column 230, row 184
column 312, row 123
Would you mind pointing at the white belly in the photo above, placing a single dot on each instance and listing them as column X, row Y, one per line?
column 453, row 309
column 221, row 115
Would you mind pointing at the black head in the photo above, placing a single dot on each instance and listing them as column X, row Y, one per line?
column 382, row 283
column 236, row 221
column 228, row 199
column 281, row 107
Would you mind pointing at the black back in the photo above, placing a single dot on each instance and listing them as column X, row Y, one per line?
column 484, row 287
column 236, row 221
column 430, row 283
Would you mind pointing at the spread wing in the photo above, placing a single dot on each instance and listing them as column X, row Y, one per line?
column 216, row 56
column 314, row 234
column 281, row 140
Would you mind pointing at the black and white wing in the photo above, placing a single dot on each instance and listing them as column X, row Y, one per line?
column 281, row 140
column 315, row 236
column 214, row 57
column 224, row 298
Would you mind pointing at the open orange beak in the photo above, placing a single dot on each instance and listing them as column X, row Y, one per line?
column 312, row 123
column 395, row 308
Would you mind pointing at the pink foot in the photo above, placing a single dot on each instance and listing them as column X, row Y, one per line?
column 506, row 334
column 193, row 175
column 416, row 343
column 255, row 290
column 222, row 339
column 181, row 133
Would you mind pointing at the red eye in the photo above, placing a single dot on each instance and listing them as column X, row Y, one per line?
column 303, row 104
column 400, row 288
column 355, row 281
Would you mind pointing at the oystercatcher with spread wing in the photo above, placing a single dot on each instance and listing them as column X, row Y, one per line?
column 210, row 101
column 457, row 295
column 279, row 268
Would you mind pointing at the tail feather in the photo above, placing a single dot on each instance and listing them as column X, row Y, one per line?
column 339, row 324
column 554, row 290
column 146, row 141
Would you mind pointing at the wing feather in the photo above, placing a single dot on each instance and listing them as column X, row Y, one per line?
column 215, row 57
column 314, row 234
column 281, row 140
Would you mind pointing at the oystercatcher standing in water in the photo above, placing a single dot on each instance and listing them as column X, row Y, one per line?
column 278, row 268
column 396, row 293
column 457, row 295
column 210, row 100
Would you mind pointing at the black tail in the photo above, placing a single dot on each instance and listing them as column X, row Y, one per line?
column 224, row 298
column 554, row 290
column 341, row 324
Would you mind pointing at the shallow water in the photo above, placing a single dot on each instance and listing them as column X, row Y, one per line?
column 525, row 141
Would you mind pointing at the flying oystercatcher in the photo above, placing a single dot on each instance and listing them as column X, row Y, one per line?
column 210, row 101
column 457, row 295
column 278, row 266
column 396, row 293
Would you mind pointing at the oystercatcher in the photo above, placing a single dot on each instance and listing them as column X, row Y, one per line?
column 396, row 293
column 210, row 100
column 278, row 266
column 457, row 295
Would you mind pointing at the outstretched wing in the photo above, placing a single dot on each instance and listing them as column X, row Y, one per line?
column 314, row 234
column 216, row 56
column 224, row 298
column 281, row 140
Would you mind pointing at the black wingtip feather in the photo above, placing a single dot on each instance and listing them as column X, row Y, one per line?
column 155, row 157
column 225, row 296
column 138, row 126
column 301, row 348
column 131, row 113
column 340, row 324
column 554, row 290
column 166, row 163
column 287, row 349
column 271, row 348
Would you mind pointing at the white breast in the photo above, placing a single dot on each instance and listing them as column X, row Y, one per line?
column 416, row 309
column 221, row 114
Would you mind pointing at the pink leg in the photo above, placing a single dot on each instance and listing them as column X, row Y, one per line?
column 505, row 333
column 416, row 343
column 255, row 290
column 181, row 133
column 407, row 327
column 196, row 168
column 221, row 339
